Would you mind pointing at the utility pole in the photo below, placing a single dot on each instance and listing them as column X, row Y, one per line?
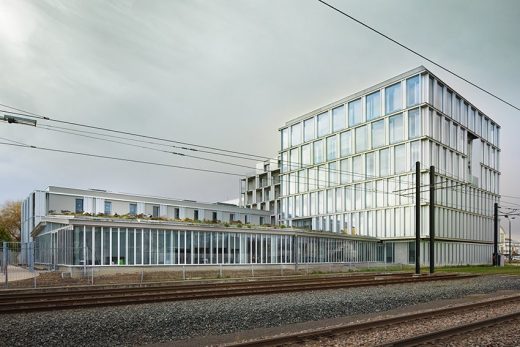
column 495, row 236
column 432, row 219
column 417, row 218
column 510, row 249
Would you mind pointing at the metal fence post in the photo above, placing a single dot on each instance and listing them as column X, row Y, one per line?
column 30, row 255
column 5, row 257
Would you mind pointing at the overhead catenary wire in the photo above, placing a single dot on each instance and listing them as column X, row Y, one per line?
column 289, row 164
column 20, row 144
column 118, row 158
column 154, row 149
column 419, row 55
column 41, row 117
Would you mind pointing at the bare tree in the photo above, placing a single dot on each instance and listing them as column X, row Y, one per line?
column 10, row 220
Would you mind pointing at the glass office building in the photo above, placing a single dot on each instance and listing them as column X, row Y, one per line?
column 348, row 168
column 92, row 241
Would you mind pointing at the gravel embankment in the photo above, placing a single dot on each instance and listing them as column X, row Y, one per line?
column 150, row 323
column 376, row 337
column 506, row 334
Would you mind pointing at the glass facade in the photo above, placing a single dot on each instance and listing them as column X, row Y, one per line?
column 393, row 98
column 373, row 105
column 85, row 245
column 416, row 118
column 355, row 114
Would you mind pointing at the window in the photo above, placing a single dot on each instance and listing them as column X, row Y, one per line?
column 108, row 207
column 176, row 213
column 308, row 130
column 296, row 134
column 339, row 120
column 384, row 162
column 312, row 178
column 231, row 217
column 378, row 134
column 393, row 98
column 306, row 154
column 373, row 105
column 262, row 222
column 285, row 138
column 333, row 174
column 132, row 209
column 370, row 159
column 332, row 152
column 471, row 119
column 345, row 171
column 295, row 159
column 396, row 128
column 345, row 143
column 302, row 180
column 413, row 91
column 323, row 124
column 437, row 100
column 361, row 138
column 449, row 103
column 414, row 123
column 322, row 176
column 358, row 168
column 355, row 114
column 415, row 152
column 79, row 205
column 446, row 131
column 285, row 162
column 318, row 152
column 400, row 158
column 155, row 211
column 196, row 215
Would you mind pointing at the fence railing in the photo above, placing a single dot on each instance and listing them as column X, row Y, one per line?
column 31, row 265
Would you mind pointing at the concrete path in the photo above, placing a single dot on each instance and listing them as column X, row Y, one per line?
column 16, row 273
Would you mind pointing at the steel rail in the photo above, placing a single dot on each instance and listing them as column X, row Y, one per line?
column 206, row 293
column 451, row 332
column 60, row 292
column 299, row 337
column 209, row 289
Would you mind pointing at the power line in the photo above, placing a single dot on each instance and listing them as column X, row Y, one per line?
column 119, row 159
column 151, row 148
column 330, row 185
column 293, row 166
column 38, row 116
column 418, row 54
column 52, row 127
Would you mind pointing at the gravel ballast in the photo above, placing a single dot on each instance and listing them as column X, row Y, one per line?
column 161, row 322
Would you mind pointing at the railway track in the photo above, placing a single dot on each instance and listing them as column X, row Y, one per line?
column 428, row 338
column 27, row 302
column 445, row 334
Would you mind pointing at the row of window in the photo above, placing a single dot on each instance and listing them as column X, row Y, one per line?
column 132, row 210
column 399, row 222
column 375, row 164
column 443, row 99
column 354, row 112
column 383, row 193
column 135, row 246
column 360, row 139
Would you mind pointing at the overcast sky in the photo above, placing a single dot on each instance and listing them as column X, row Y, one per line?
column 226, row 74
